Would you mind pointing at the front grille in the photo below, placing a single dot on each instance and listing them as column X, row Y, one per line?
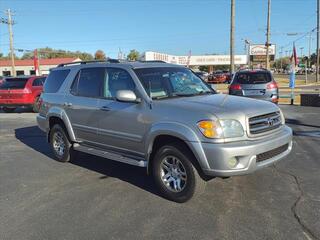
column 272, row 153
column 264, row 123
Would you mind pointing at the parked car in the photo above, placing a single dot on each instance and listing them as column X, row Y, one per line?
column 202, row 75
column 258, row 84
column 228, row 76
column 217, row 77
column 161, row 117
column 21, row 92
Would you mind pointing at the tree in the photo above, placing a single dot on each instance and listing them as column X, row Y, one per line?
column 100, row 55
column 47, row 53
column 204, row 68
column 133, row 55
column 313, row 58
column 285, row 63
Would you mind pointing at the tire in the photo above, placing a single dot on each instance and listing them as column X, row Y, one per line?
column 35, row 106
column 191, row 184
column 8, row 110
column 60, row 144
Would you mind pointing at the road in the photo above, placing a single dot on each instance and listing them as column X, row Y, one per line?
column 94, row 198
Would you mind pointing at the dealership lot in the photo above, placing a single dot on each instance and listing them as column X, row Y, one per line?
column 94, row 198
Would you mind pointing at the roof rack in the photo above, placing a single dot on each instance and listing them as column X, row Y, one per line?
column 152, row 61
column 109, row 60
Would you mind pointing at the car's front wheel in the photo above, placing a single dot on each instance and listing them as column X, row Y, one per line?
column 175, row 175
column 60, row 144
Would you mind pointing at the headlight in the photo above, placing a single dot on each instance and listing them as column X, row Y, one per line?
column 221, row 129
column 231, row 128
column 210, row 129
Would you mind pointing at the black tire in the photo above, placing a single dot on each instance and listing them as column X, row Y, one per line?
column 194, row 185
column 35, row 106
column 59, row 132
column 8, row 109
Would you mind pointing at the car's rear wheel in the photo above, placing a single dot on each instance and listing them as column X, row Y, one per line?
column 8, row 109
column 60, row 144
column 35, row 106
column 175, row 175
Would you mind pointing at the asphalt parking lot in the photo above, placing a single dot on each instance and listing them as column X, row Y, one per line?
column 94, row 198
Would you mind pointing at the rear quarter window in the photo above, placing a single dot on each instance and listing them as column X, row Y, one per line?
column 55, row 80
column 253, row 78
column 14, row 83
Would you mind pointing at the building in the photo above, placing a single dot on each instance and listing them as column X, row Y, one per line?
column 200, row 60
column 26, row 67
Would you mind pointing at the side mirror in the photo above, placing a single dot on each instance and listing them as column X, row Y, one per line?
column 126, row 96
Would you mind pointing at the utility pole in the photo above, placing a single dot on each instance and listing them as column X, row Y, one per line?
column 281, row 58
column 318, row 36
column 232, row 36
column 10, row 23
column 268, row 35
column 309, row 56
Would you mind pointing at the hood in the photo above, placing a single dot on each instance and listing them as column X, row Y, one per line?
column 224, row 106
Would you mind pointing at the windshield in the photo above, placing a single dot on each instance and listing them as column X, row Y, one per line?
column 14, row 83
column 167, row 82
column 253, row 78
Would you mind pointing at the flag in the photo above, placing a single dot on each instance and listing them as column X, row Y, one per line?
column 294, row 63
column 36, row 62
column 294, row 57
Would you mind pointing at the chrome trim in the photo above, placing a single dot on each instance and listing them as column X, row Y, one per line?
column 265, row 124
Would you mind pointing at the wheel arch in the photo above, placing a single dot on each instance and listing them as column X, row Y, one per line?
column 164, row 133
column 56, row 115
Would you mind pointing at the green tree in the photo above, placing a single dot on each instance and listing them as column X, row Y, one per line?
column 133, row 55
column 204, row 68
column 313, row 58
column 47, row 53
column 285, row 63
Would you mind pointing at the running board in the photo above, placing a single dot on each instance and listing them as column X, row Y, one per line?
column 110, row 155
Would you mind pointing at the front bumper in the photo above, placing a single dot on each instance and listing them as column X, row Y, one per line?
column 245, row 152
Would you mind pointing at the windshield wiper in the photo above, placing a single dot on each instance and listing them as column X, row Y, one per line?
column 193, row 94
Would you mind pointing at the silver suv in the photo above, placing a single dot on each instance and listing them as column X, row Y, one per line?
column 257, row 83
column 161, row 117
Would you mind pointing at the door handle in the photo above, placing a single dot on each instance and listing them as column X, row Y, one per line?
column 105, row 108
column 67, row 104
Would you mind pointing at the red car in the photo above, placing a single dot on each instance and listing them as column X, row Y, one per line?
column 217, row 77
column 21, row 92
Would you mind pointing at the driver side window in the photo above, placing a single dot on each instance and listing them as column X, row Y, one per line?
column 117, row 79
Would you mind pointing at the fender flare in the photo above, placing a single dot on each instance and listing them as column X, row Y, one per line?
column 61, row 114
column 180, row 131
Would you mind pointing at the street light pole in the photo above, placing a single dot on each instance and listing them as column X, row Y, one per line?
column 318, row 36
column 268, row 35
column 232, row 36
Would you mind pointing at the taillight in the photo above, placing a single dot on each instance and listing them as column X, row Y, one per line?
column 235, row 87
column 40, row 101
column 272, row 85
column 27, row 90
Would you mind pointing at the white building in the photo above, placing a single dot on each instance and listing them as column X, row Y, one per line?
column 200, row 60
column 26, row 67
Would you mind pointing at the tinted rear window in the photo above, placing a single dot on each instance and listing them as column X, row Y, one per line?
column 55, row 80
column 253, row 78
column 14, row 83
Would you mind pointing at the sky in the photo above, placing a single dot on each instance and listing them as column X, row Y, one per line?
column 169, row 26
